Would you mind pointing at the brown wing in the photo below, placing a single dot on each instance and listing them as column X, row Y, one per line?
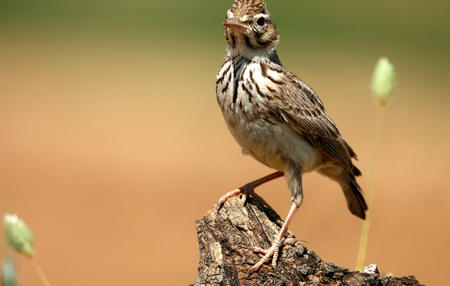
column 305, row 113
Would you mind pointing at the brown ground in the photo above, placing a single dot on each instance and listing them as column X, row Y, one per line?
column 111, row 158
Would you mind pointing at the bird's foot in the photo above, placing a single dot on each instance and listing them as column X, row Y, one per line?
column 271, row 253
column 245, row 190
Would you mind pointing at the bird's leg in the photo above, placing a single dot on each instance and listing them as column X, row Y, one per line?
column 274, row 250
column 248, row 188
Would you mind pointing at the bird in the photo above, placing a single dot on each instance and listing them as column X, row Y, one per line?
column 277, row 118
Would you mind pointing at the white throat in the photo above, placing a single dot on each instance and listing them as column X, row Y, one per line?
column 243, row 50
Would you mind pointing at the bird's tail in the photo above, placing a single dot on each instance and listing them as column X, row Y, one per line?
column 354, row 197
column 352, row 191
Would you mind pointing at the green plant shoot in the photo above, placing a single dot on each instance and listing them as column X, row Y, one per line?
column 383, row 83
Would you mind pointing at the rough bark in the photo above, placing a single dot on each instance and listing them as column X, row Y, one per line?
column 226, row 239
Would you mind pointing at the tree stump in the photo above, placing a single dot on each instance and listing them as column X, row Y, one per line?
column 227, row 238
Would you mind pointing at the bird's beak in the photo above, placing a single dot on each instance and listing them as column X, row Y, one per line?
column 234, row 24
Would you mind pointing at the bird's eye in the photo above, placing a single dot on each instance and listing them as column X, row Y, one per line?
column 261, row 21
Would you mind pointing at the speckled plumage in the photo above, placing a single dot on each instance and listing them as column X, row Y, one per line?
column 248, row 7
column 273, row 115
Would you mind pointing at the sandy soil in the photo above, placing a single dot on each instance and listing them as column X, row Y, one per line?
column 110, row 160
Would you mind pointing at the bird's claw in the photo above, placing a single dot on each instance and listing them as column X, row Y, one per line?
column 273, row 252
column 244, row 191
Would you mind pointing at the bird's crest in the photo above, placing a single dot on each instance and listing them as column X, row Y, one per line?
column 248, row 7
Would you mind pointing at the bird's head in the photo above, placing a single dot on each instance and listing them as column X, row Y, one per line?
column 249, row 27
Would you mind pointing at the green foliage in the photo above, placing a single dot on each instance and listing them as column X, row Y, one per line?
column 421, row 23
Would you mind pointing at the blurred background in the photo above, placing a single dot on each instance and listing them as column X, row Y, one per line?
column 112, row 143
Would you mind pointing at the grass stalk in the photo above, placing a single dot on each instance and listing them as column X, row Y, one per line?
column 370, row 186
column 40, row 272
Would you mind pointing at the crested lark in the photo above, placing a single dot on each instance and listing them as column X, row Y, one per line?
column 276, row 118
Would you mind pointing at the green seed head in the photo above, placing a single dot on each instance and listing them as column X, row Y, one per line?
column 383, row 81
column 18, row 235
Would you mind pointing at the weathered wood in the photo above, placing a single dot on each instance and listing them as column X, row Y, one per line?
column 226, row 239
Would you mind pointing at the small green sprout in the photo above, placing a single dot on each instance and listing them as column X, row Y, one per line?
column 18, row 235
column 9, row 276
